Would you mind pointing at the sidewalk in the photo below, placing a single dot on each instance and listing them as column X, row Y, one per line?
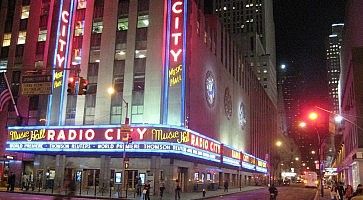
column 184, row 196
column 326, row 195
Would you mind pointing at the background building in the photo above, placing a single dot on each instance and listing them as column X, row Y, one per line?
column 189, row 78
column 252, row 25
column 333, row 49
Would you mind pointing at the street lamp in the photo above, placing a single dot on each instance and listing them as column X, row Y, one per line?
column 313, row 116
column 124, row 128
column 278, row 143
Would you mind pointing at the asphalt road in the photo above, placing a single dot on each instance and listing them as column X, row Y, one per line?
column 18, row 196
column 285, row 193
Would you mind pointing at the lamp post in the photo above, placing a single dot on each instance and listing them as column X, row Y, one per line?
column 313, row 116
column 124, row 129
column 274, row 161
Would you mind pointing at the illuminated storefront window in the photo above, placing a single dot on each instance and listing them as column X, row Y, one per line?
column 42, row 36
column 7, row 39
column 22, row 37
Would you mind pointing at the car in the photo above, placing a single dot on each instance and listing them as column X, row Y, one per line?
column 286, row 182
column 299, row 181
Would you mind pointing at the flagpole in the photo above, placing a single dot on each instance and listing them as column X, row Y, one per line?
column 12, row 97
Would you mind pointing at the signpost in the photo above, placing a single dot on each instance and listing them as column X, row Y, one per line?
column 36, row 85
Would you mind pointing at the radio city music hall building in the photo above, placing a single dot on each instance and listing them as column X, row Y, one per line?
column 197, row 113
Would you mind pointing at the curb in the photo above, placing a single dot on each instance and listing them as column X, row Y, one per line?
column 60, row 195
column 316, row 195
column 214, row 196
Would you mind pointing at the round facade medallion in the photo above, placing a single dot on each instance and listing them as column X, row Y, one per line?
column 210, row 89
column 228, row 103
column 242, row 116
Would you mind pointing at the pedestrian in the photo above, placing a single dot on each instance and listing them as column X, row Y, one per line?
column 358, row 194
column 24, row 182
column 177, row 190
column 146, row 191
column 341, row 190
column 162, row 188
column 138, row 186
column 348, row 192
column 334, row 192
column 9, row 182
column 12, row 182
column 226, row 185
column 273, row 191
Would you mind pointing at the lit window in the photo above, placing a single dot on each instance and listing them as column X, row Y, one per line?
column 265, row 71
column 81, row 4
column 7, row 39
column 78, row 30
column 123, row 24
column 97, row 27
column 140, row 53
column 25, row 12
column 142, row 21
column 22, row 37
column 42, row 36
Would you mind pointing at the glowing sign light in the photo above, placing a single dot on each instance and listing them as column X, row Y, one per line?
column 62, row 46
column 147, row 139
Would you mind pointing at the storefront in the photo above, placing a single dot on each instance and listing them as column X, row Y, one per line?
column 93, row 157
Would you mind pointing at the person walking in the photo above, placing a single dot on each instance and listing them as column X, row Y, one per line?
column 12, row 182
column 138, row 186
column 162, row 188
column 341, row 190
column 226, row 186
column 348, row 192
column 146, row 190
column 358, row 194
column 177, row 190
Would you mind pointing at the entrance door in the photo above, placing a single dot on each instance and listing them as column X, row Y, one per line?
column 182, row 177
column 131, row 178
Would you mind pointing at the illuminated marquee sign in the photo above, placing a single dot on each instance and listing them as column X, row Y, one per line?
column 109, row 138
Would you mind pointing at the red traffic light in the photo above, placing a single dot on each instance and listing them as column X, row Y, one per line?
column 313, row 116
column 83, row 83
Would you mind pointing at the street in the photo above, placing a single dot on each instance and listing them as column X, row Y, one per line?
column 293, row 192
column 19, row 196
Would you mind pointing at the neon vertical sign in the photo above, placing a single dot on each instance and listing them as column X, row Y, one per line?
column 64, row 11
column 174, row 69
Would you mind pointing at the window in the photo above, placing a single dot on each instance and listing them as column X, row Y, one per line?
column 19, row 50
column 142, row 21
column 42, row 36
column 22, row 37
column 79, row 28
column 7, row 39
column 123, row 7
column 33, row 102
column 143, row 5
column 4, row 52
column 25, row 12
column 81, row 4
column 97, row 27
column 123, row 24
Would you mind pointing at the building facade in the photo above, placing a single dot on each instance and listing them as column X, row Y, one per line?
column 349, row 153
column 160, row 73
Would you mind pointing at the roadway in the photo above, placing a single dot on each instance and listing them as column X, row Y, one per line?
column 293, row 192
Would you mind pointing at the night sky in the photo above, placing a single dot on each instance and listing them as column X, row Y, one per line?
column 302, row 27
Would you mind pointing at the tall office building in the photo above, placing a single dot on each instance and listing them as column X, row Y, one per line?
column 196, row 113
column 251, row 22
column 334, row 46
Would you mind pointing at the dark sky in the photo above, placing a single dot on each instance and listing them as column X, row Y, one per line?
column 302, row 27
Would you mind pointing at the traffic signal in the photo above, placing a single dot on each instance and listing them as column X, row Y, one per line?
column 71, row 86
column 129, row 140
column 83, row 83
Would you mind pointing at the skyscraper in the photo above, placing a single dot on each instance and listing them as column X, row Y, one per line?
column 333, row 48
column 251, row 22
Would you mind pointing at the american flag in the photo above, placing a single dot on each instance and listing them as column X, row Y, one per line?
column 4, row 91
